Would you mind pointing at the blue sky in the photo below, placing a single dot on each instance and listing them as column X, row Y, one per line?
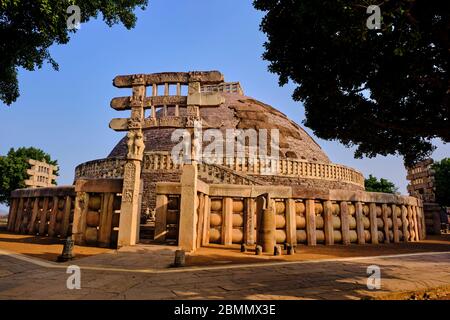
column 66, row 113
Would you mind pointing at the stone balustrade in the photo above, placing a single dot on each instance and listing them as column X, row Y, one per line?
column 261, row 166
column 162, row 161
column 88, row 210
column 302, row 215
column 102, row 169
column 43, row 211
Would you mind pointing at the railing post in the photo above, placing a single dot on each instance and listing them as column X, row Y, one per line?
column 227, row 226
column 291, row 228
column 34, row 215
column 385, row 223
column 395, row 224
column 106, row 213
column 373, row 223
column 51, row 225
column 310, row 222
column 12, row 214
column 161, row 217
column 249, row 221
column 359, row 222
column 405, row 224
column 345, row 223
column 328, row 222
column 43, row 217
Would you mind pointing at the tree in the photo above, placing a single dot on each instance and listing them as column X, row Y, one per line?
column 442, row 181
column 385, row 91
column 13, row 169
column 373, row 185
column 29, row 27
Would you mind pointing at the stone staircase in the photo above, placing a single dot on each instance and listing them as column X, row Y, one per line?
column 216, row 174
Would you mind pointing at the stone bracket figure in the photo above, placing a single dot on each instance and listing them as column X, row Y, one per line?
column 135, row 144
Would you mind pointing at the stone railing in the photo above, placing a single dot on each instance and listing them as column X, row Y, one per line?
column 162, row 161
column 260, row 166
column 89, row 211
column 100, row 169
column 301, row 215
column 213, row 173
column 42, row 211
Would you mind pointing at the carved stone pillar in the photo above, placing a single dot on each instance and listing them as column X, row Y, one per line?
column 130, row 207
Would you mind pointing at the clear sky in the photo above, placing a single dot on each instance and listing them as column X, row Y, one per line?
column 66, row 113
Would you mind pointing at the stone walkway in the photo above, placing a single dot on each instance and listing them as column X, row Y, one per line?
column 25, row 278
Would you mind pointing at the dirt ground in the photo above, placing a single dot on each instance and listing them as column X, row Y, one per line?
column 49, row 249
column 232, row 255
column 441, row 293
column 42, row 247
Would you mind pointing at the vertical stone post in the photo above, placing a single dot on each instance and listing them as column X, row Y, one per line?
column 291, row 226
column 345, row 223
column 416, row 223
column 310, row 222
column 206, row 221
column 249, row 221
column 106, row 213
column 328, row 222
column 188, row 218
column 130, row 207
column 395, row 224
column 267, row 232
column 422, row 221
column 34, row 215
column 79, row 217
column 385, row 223
column 161, row 217
column 52, row 223
column 43, row 217
column 12, row 214
column 66, row 218
column 201, row 218
column 227, row 226
column 359, row 222
column 409, row 217
column 373, row 223
column 405, row 224
column 19, row 214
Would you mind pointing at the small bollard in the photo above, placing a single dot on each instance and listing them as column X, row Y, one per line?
column 67, row 254
column 243, row 248
column 180, row 258
column 277, row 250
column 290, row 249
column 258, row 250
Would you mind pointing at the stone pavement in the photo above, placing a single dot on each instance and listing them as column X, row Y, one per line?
column 25, row 278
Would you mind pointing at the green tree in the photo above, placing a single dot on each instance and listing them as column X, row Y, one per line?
column 442, row 181
column 384, row 91
column 13, row 169
column 29, row 27
column 372, row 184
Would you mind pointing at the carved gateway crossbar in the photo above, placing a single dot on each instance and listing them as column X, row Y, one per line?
column 139, row 101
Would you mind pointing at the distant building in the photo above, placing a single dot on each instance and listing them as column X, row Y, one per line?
column 41, row 174
column 421, row 177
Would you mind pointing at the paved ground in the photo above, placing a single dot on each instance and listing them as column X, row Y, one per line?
column 23, row 277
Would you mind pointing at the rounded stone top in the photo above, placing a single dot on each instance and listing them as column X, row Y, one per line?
column 240, row 112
